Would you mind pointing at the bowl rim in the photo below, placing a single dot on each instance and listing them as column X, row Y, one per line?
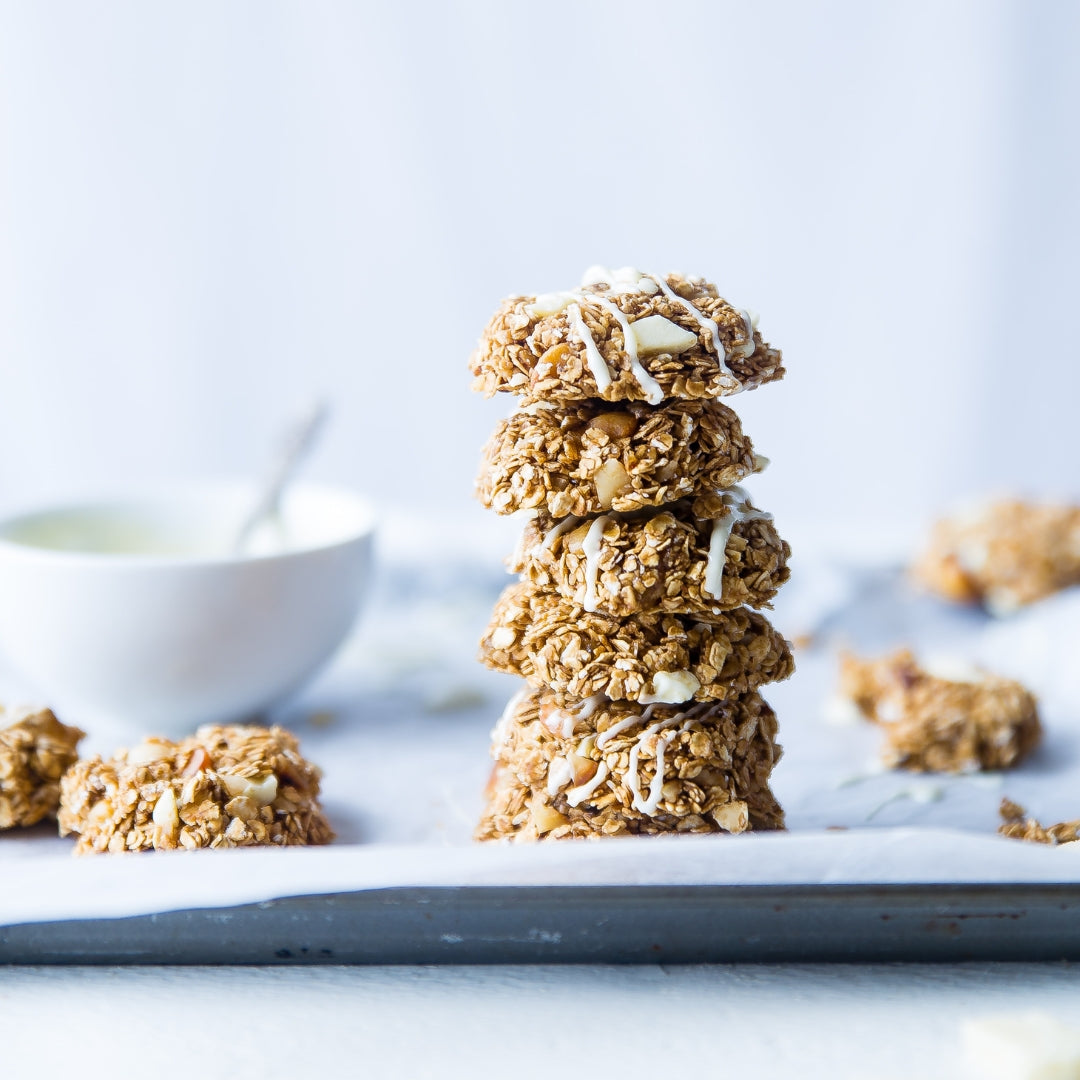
column 14, row 549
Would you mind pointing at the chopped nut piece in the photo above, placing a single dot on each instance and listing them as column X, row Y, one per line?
column 610, row 479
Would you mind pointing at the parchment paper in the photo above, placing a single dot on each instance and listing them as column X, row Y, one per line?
column 400, row 725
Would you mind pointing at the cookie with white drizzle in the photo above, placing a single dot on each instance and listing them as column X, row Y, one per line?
column 586, row 457
column 651, row 657
column 702, row 555
column 624, row 336
column 601, row 767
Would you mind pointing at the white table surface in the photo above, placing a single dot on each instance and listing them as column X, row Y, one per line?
column 785, row 1021
column 865, row 1022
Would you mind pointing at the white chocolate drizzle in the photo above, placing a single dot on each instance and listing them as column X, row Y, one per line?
column 617, row 729
column 560, row 773
column 706, row 323
column 597, row 365
column 739, row 509
column 578, row 794
column 582, row 712
column 591, row 547
column 498, row 732
column 651, row 388
column 548, row 539
column 656, row 785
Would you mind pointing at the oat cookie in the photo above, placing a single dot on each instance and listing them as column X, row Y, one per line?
column 1004, row 555
column 947, row 722
column 664, row 658
column 695, row 556
column 224, row 787
column 585, row 457
column 623, row 336
column 604, row 768
column 35, row 750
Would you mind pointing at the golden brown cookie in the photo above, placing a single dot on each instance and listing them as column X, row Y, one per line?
column 603, row 768
column 224, row 787
column 706, row 555
column 623, row 336
column 550, row 641
column 586, row 457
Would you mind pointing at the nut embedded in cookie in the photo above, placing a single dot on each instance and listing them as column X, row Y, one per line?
column 224, row 787
column 604, row 768
column 582, row 343
column 706, row 555
column 35, row 751
column 587, row 457
column 659, row 657
column 948, row 722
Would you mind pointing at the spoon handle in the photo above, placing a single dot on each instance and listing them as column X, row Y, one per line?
column 298, row 441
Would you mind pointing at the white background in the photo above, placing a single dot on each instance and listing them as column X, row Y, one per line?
column 210, row 212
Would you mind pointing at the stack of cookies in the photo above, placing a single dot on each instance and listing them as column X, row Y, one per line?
column 642, row 566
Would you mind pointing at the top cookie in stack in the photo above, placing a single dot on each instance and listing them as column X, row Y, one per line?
column 640, row 563
column 624, row 336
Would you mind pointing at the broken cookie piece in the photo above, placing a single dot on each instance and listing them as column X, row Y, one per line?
column 1003, row 556
column 35, row 751
column 952, row 721
column 224, row 787
column 1018, row 826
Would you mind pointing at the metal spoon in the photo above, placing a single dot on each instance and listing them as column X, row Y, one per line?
column 295, row 446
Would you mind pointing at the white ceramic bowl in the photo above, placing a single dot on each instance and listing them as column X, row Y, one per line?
column 132, row 614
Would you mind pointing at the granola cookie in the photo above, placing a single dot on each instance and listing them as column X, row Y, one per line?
column 948, row 722
column 623, row 336
column 35, row 751
column 550, row 641
column 224, row 787
column 604, row 768
column 1003, row 556
column 583, row 457
column 705, row 555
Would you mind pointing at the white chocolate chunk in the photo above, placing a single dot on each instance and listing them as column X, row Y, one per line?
column 260, row 789
column 672, row 687
column 655, row 334
column 549, row 304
